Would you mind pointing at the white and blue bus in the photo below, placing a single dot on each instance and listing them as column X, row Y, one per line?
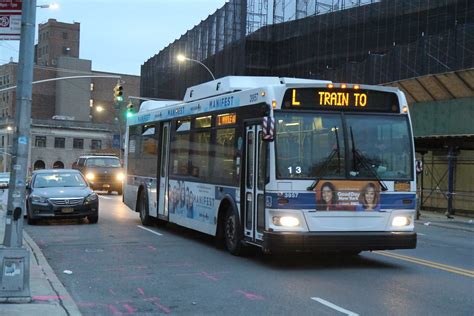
column 283, row 164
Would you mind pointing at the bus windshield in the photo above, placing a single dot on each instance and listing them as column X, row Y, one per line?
column 312, row 146
column 381, row 143
column 309, row 145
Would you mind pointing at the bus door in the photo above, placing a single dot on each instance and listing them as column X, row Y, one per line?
column 255, row 178
column 163, row 171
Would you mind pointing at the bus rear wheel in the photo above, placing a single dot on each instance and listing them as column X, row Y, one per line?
column 143, row 210
column 232, row 235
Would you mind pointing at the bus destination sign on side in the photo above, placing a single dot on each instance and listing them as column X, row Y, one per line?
column 226, row 119
column 341, row 100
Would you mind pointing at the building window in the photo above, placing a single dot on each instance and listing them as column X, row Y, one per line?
column 65, row 35
column 96, row 144
column 40, row 141
column 91, row 102
column 78, row 143
column 59, row 142
column 58, row 165
column 92, row 86
column 39, row 164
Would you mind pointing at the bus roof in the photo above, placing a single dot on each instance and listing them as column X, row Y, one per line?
column 238, row 83
column 226, row 93
column 152, row 104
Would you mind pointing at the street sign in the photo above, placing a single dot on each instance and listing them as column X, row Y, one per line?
column 10, row 19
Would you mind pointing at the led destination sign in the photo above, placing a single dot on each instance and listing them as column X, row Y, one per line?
column 334, row 99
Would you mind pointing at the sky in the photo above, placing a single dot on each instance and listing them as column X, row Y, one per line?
column 118, row 35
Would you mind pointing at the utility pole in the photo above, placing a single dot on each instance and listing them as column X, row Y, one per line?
column 15, row 259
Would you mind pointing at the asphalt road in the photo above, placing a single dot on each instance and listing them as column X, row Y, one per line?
column 119, row 267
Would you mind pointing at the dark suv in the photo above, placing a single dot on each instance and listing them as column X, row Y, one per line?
column 102, row 172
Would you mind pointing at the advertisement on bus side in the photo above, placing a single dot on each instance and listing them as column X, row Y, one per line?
column 192, row 200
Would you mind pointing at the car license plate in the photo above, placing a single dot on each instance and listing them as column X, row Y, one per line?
column 67, row 210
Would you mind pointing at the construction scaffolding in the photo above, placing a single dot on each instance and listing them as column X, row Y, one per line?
column 363, row 41
column 434, row 189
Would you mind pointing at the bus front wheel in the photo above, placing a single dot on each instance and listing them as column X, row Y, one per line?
column 232, row 235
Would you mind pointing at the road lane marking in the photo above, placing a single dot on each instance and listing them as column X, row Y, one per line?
column 431, row 264
column 334, row 306
column 151, row 231
column 106, row 197
column 420, row 234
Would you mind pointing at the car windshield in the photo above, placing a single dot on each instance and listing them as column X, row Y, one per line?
column 50, row 180
column 312, row 146
column 103, row 162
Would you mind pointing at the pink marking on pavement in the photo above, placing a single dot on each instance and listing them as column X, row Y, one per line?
column 251, row 296
column 162, row 307
column 155, row 301
column 129, row 308
column 47, row 297
column 114, row 310
column 152, row 248
column 140, row 290
column 209, row 276
column 86, row 304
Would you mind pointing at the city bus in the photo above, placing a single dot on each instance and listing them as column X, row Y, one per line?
column 283, row 164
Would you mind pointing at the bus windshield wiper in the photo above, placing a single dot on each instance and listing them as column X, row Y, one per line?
column 320, row 173
column 365, row 162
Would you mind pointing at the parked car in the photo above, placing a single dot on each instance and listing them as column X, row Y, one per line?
column 103, row 172
column 60, row 193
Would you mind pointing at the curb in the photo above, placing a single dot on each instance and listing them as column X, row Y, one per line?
column 65, row 300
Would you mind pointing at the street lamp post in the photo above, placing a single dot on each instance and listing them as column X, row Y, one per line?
column 182, row 58
column 15, row 259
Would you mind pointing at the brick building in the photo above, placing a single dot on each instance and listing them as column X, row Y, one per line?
column 73, row 100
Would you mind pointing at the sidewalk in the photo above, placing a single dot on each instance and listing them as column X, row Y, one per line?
column 48, row 295
column 428, row 218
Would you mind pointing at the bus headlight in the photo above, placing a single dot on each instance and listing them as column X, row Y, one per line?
column 120, row 176
column 90, row 176
column 399, row 221
column 287, row 221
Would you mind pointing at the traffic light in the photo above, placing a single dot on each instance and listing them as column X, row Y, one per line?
column 130, row 109
column 118, row 93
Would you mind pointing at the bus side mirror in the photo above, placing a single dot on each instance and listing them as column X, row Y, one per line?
column 268, row 128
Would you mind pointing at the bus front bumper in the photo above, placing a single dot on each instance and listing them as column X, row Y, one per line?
column 283, row 242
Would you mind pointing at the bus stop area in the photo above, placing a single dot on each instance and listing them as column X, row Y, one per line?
column 48, row 295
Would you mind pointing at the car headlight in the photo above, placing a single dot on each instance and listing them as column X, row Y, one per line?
column 287, row 221
column 90, row 176
column 399, row 221
column 91, row 198
column 38, row 199
column 120, row 176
